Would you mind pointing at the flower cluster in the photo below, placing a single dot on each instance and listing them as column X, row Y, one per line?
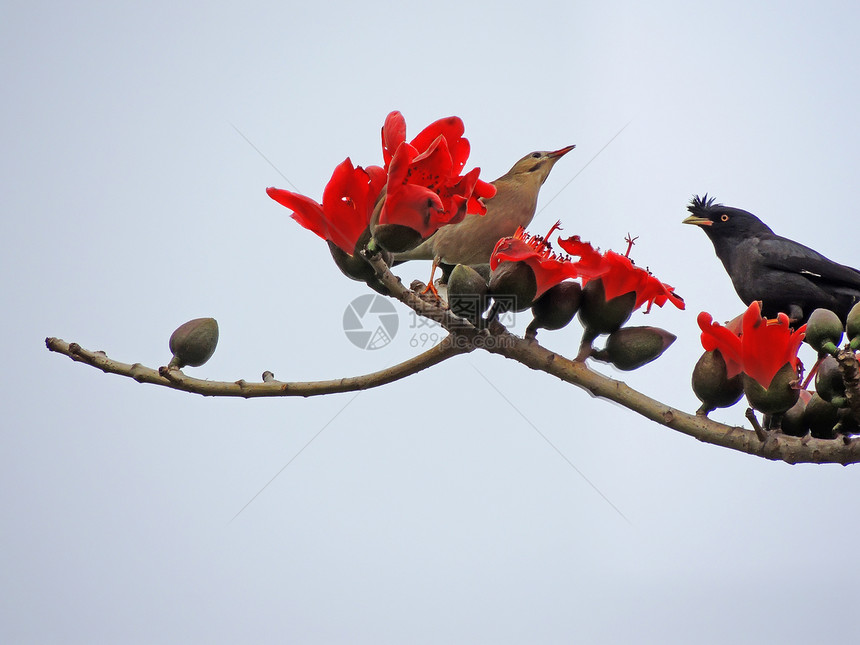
column 420, row 187
column 425, row 189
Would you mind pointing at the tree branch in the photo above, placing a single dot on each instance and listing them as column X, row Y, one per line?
column 425, row 305
column 850, row 371
column 775, row 446
column 177, row 380
column 530, row 353
column 464, row 337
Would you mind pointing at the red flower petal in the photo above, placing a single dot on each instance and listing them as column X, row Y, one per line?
column 306, row 211
column 768, row 344
column 348, row 201
column 451, row 129
column 655, row 292
column 347, row 205
column 484, row 191
column 393, row 134
column 590, row 264
column 378, row 177
column 433, row 167
column 715, row 336
column 414, row 206
column 621, row 277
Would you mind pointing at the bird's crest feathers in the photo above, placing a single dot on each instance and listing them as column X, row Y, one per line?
column 699, row 204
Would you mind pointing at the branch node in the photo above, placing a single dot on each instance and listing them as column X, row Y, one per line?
column 268, row 376
column 137, row 372
column 172, row 374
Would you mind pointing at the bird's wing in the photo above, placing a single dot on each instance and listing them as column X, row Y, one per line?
column 423, row 251
column 787, row 255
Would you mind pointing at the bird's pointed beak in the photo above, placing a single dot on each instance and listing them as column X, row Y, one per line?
column 555, row 154
column 698, row 221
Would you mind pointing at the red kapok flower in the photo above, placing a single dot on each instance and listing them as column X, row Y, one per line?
column 767, row 345
column 548, row 267
column 433, row 160
column 619, row 275
column 451, row 128
column 348, row 201
column 759, row 348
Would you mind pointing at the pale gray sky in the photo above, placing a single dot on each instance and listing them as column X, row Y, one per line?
column 427, row 511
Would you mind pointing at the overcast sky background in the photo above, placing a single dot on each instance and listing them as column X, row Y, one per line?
column 428, row 510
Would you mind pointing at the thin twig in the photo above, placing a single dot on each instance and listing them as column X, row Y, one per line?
column 759, row 431
column 177, row 380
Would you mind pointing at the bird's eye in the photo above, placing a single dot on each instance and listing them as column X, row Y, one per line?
column 536, row 155
column 724, row 217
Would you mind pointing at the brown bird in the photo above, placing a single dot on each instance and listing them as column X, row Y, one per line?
column 472, row 241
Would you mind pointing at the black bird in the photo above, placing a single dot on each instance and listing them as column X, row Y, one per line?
column 785, row 275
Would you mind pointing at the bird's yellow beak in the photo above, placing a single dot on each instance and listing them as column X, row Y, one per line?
column 555, row 154
column 698, row 221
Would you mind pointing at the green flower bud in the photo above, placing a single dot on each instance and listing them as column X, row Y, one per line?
column 779, row 397
column 555, row 308
column 824, row 331
column 820, row 417
column 194, row 342
column 513, row 286
column 852, row 327
column 356, row 267
column 483, row 270
column 632, row 347
column 397, row 238
column 600, row 316
column 828, row 379
column 467, row 293
column 793, row 422
column 712, row 385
